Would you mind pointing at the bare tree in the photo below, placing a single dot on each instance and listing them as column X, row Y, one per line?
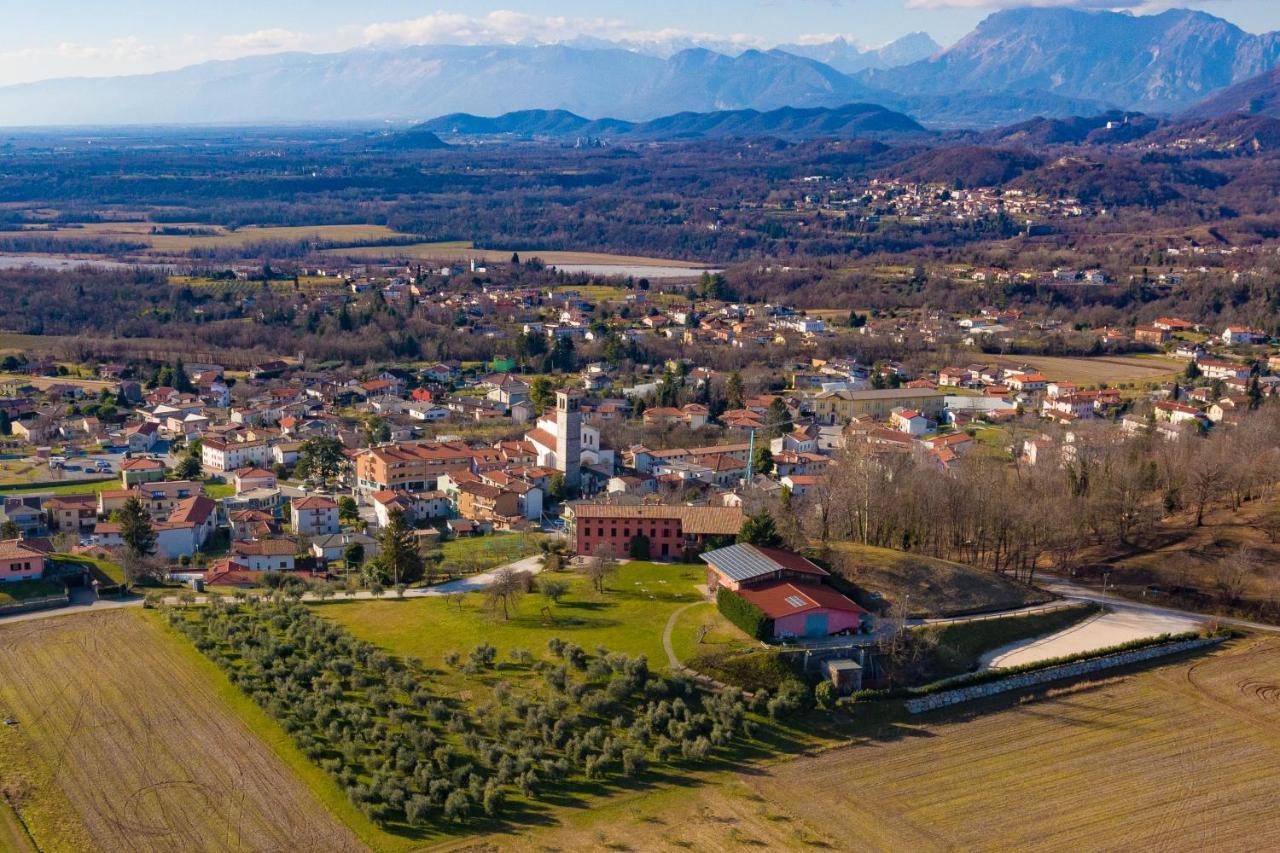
column 599, row 567
column 504, row 591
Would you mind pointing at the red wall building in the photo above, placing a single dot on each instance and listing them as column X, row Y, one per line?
column 671, row 530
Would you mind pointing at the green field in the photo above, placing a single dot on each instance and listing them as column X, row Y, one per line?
column 629, row 617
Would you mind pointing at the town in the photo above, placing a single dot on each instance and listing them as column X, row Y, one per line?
column 514, row 428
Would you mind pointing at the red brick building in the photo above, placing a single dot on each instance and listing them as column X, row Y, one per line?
column 671, row 530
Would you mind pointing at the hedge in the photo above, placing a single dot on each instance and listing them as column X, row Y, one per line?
column 744, row 614
column 986, row 675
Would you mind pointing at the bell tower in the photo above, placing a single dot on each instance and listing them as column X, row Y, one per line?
column 569, row 436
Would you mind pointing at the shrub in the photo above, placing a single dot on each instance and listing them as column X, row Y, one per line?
column 744, row 614
column 825, row 695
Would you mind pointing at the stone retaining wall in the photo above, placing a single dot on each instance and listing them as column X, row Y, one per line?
column 35, row 604
column 1023, row 680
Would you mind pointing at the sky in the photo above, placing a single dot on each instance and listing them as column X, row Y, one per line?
column 69, row 38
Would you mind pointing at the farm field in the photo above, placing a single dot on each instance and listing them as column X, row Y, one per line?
column 463, row 251
column 1176, row 758
column 120, row 728
column 1110, row 370
column 140, row 232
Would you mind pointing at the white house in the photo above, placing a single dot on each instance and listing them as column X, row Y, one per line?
column 223, row 456
column 314, row 515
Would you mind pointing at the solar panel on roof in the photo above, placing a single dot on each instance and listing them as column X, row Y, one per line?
column 796, row 601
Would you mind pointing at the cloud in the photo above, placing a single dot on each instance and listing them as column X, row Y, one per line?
column 263, row 41
column 505, row 26
column 1043, row 4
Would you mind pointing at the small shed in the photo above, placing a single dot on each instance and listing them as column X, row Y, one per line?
column 845, row 675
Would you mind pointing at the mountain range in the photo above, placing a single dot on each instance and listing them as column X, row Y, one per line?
column 787, row 122
column 1016, row 65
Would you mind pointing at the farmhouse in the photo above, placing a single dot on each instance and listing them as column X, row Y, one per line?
column 670, row 530
column 786, row 587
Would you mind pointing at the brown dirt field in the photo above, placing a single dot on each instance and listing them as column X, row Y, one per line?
column 1177, row 758
column 1092, row 371
column 141, row 747
column 1180, row 758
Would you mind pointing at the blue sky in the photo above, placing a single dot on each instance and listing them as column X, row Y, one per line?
column 59, row 38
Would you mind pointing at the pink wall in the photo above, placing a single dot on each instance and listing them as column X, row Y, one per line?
column 12, row 569
column 837, row 620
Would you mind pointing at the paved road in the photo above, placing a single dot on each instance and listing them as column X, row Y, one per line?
column 82, row 600
column 1067, row 589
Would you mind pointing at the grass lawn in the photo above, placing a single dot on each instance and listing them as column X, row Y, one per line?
column 931, row 587
column 960, row 646
column 15, row 591
column 722, row 636
column 217, row 491
column 629, row 617
column 82, row 487
column 103, row 571
column 471, row 554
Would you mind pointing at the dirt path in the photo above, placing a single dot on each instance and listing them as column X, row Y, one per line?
column 669, row 630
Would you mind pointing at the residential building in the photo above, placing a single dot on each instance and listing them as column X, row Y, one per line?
column 314, row 515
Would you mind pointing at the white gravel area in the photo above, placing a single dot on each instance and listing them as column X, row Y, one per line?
column 1119, row 624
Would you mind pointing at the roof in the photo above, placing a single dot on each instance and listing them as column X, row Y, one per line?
column 743, row 562
column 314, row 502
column 16, row 549
column 141, row 465
column 781, row 599
column 195, row 510
column 265, row 548
column 704, row 520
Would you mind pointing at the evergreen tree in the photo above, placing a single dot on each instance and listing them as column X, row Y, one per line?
column 6, row 423
column 181, row 381
column 136, row 529
column 733, row 392
column 760, row 530
column 398, row 560
column 778, row 419
column 762, row 460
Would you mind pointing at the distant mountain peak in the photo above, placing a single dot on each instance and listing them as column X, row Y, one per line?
column 1158, row 63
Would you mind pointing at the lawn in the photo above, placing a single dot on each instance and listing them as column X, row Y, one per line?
column 105, row 572
column 929, row 586
column 218, row 491
column 82, row 487
column 15, row 591
column 97, row 761
column 629, row 617
column 471, row 554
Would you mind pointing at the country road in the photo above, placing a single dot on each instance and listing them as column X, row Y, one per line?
column 83, row 601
